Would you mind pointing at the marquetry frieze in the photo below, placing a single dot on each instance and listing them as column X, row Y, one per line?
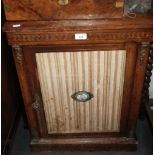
column 49, row 37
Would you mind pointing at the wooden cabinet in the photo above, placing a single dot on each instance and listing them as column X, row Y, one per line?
column 81, row 72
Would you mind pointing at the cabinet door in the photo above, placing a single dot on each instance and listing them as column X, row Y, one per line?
column 79, row 90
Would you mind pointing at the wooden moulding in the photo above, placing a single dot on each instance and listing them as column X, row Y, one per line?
column 83, row 144
column 51, row 38
column 63, row 32
column 68, row 25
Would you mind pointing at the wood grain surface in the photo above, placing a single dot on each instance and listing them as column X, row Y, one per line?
column 64, row 73
column 84, row 144
column 50, row 9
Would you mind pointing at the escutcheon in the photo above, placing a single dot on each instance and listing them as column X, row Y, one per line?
column 82, row 96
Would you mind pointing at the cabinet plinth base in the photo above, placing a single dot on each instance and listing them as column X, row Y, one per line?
column 84, row 144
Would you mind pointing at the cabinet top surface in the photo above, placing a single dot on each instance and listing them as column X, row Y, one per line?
column 24, row 10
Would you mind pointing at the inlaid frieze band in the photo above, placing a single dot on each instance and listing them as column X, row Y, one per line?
column 42, row 38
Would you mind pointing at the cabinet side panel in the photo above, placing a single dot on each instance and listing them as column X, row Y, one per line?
column 62, row 74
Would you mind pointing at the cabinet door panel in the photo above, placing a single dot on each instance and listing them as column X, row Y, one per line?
column 62, row 74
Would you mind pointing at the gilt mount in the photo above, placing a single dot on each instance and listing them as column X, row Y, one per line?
column 19, row 55
column 63, row 2
column 144, row 48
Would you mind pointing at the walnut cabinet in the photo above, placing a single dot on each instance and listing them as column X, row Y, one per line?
column 81, row 72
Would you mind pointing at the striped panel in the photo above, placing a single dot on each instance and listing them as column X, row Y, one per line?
column 62, row 74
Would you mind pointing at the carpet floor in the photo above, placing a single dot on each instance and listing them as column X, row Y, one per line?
column 144, row 136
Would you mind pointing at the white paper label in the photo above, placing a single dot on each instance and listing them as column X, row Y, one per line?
column 16, row 25
column 80, row 36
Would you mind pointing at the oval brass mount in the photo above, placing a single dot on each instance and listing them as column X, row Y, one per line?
column 82, row 96
column 63, row 2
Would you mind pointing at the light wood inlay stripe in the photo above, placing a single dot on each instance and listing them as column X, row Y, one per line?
column 62, row 74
